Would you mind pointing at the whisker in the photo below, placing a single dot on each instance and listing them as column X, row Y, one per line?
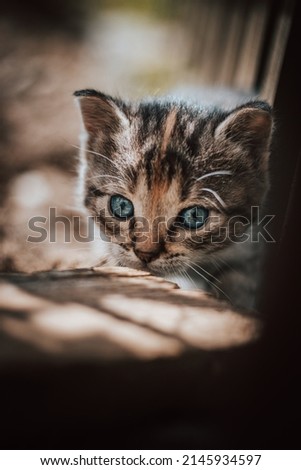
column 116, row 165
column 215, row 173
column 217, row 266
column 212, row 202
column 209, row 274
column 97, row 153
column 218, row 259
column 173, row 272
column 207, row 280
column 104, row 176
column 184, row 276
column 216, row 196
column 188, row 277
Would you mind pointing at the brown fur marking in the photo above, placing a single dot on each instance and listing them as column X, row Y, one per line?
column 169, row 126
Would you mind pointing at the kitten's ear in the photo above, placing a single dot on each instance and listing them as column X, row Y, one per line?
column 100, row 112
column 249, row 125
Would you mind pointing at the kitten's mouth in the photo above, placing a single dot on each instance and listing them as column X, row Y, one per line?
column 146, row 267
column 143, row 266
column 155, row 270
column 158, row 266
column 151, row 270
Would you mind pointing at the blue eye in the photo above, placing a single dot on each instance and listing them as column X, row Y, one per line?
column 121, row 207
column 193, row 217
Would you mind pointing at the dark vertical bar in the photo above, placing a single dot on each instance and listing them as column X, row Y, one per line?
column 283, row 168
column 274, row 11
column 279, row 374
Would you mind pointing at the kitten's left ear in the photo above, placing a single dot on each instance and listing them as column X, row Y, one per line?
column 249, row 125
column 100, row 113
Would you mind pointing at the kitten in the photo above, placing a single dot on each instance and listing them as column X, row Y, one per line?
column 171, row 186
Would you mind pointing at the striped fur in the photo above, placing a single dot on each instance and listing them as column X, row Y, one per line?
column 166, row 156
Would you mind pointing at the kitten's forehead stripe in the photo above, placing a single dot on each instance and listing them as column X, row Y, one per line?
column 169, row 127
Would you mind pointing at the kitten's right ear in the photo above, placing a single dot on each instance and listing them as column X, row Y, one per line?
column 100, row 113
column 249, row 125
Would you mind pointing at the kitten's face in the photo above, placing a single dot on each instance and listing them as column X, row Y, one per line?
column 170, row 184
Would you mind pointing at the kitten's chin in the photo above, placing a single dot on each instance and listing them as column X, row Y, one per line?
column 157, row 267
column 172, row 274
column 155, row 270
column 134, row 265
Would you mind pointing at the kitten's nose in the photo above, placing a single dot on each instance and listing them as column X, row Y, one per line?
column 147, row 256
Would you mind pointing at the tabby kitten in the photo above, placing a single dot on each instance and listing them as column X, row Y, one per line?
column 171, row 186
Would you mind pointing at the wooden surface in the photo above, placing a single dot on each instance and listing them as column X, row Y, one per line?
column 93, row 359
column 113, row 313
column 115, row 358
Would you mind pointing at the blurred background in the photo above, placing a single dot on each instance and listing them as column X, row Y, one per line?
column 130, row 48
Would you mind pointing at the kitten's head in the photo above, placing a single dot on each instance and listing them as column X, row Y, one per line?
column 169, row 183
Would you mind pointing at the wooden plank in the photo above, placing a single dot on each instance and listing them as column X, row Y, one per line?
column 110, row 313
column 112, row 356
